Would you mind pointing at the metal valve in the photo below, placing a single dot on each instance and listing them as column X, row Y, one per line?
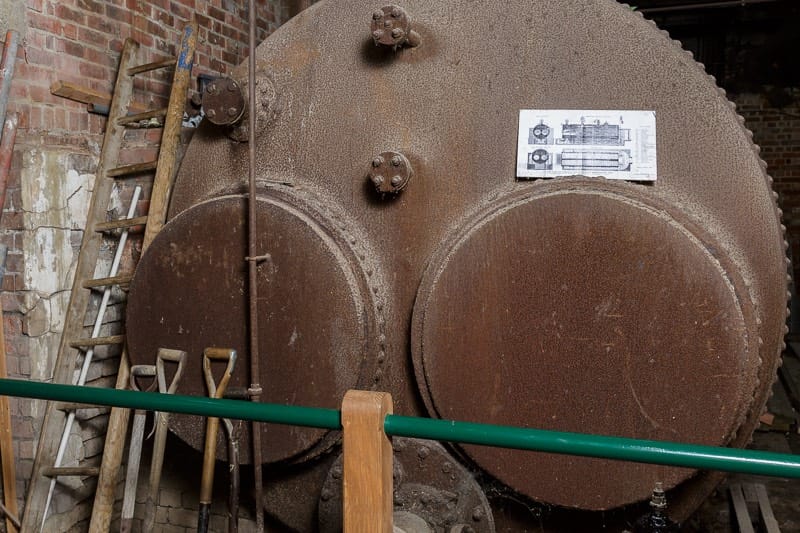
column 390, row 172
column 391, row 27
column 223, row 102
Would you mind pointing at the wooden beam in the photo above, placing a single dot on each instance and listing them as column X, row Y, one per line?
column 367, row 480
column 86, row 95
column 6, row 445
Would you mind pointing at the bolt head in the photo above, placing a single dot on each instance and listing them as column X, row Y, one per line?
column 397, row 33
column 326, row 495
column 232, row 111
column 397, row 181
column 396, row 13
column 212, row 89
column 396, row 161
column 377, row 34
column 377, row 14
column 423, row 452
column 477, row 514
column 378, row 161
column 211, row 113
column 377, row 180
column 387, row 24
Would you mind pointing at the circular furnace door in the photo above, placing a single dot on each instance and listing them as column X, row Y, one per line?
column 583, row 311
column 190, row 292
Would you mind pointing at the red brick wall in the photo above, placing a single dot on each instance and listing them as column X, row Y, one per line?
column 80, row 41
column 777, row 132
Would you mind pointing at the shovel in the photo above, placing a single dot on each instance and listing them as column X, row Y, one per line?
column 212, row 427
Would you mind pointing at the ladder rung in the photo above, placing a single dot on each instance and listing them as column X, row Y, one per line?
column 136, row 168
column 104, row 282
column 111, row 225
column 98, row 341
column 72, row 406
column 55, row 471
column 147, row 67
column 139, row 117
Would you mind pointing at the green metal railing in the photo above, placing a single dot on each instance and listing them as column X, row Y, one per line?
column 624, row 449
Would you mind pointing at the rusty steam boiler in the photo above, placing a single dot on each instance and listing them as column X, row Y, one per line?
column 405, row 255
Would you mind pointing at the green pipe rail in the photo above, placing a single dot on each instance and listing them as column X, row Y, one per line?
column 624, row 449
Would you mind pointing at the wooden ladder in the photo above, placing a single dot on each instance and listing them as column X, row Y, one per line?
column 74, row 340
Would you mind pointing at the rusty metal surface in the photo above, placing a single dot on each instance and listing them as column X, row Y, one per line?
column 223, row 102
column 597, row 313
column 429, row 484
column 329, row 100
column 195, row 297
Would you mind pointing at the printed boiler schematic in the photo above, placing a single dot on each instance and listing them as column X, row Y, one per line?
column 610, row 144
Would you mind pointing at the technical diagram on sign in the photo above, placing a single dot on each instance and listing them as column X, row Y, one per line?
column 594, row 143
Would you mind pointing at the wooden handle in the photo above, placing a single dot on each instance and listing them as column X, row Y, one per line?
column 174, row 356
column 216, row 390
column 142, row 371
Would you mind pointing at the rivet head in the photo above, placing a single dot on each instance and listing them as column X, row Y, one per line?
column 377, row 14
column 233, row 111
column 396, row 161
column 397, row 33
column 377, row 34
column 377, row 180
column 423, row 452
column 447, row 468
column 336, row 473
column 396, row 181
column 378, row 161
column 326, row 495
column 396, row 13
column 387, row 24
column 477, row 514
column 211, row 113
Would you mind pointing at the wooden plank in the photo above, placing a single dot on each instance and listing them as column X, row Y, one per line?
column 170, row 139
column 55, row 471
column 103, row 505
column 136, row 168
column 6, row 444
column 155, row 65
column 139, row 117
column 743, row 521
column 765, row 511
column 367, row 480
column 123, row 223
column 85, row 95
column 122, row 279
column 97, row 341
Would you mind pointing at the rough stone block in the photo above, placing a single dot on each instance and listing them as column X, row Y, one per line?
column 169, row 498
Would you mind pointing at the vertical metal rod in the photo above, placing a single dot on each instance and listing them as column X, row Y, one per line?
column 6, row 153
column 7, row 70
column 252, row 252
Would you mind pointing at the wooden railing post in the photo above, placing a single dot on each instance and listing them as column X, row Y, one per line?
column 367, row 480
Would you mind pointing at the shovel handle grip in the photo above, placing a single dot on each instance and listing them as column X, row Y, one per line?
column 173, row 356
column 216, row 390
